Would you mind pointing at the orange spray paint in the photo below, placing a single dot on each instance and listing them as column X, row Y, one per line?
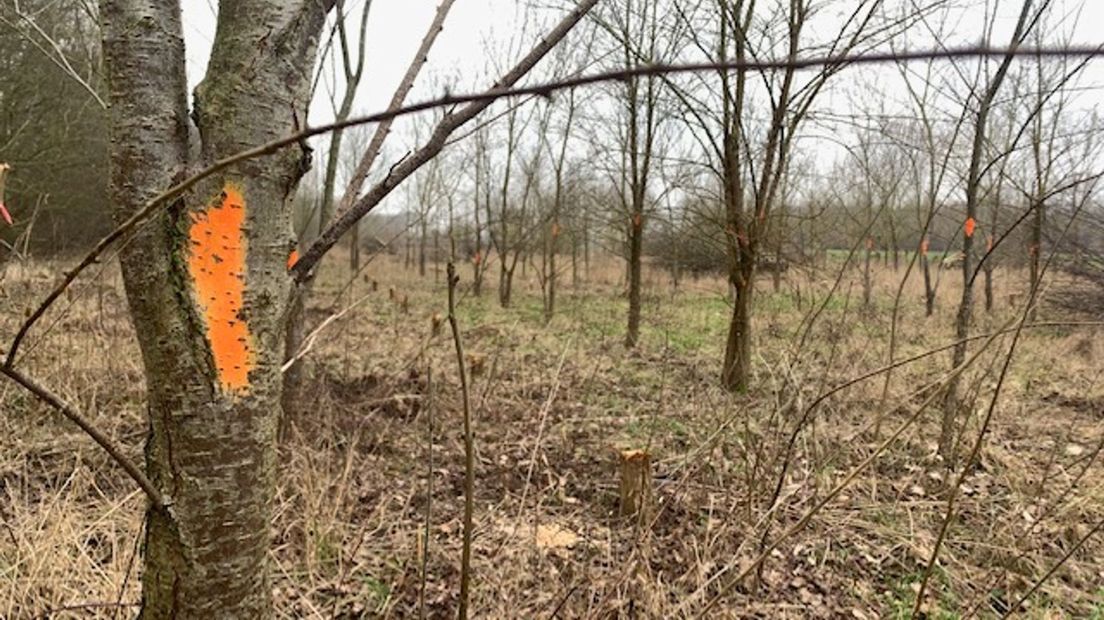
column 970, row 226
column 217, row 266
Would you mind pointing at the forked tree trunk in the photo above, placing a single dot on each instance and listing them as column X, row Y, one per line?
column 207, row 284
column 505, row 286
column 736, row 371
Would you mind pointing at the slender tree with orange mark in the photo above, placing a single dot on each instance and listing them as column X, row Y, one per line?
column 209, row 278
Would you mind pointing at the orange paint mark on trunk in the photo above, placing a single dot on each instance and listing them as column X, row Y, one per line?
column 292, row 259
column 216, row 263
column 971, row 224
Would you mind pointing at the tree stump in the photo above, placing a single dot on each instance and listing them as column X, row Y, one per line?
column 636, row 483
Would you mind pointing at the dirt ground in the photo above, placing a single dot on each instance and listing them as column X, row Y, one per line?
column 368, row 522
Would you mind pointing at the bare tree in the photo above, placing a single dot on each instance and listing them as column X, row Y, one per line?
column 506, row 223
column 634, row 27
column 553, row 231
column 747, row 156
column 964, row 316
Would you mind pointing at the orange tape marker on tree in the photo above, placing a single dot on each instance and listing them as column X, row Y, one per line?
column 971, row 225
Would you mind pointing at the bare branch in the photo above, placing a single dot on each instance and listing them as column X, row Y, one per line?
column 485, row 99
column 370, row 155
column 103, row 440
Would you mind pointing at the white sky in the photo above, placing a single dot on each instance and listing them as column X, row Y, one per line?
column 396, row 28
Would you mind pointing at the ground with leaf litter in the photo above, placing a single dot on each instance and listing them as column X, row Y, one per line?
column 369, row 515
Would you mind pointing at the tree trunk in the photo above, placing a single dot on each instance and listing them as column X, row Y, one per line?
column 207, row 285
column 505, row 286
column 586, row 246
column 574, row 260
column 422, row 249
column 1033, row 254
column 736, row 373
column 550, row 306
column 929, row 292
column 477, row 260
column 295, row 383
column 988, row 286
column 866, row 274
column 354, row 250
column 636, row 246
column 436, row 256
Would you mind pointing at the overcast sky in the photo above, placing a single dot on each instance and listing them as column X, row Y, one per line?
column 396, row 28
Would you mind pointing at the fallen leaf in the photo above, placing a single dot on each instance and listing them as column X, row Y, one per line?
column 555, row 537
column 1074, row 450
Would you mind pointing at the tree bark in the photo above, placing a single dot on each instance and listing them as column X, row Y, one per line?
column 636, row 245
column 505, row 285
column 207, row 285
column 736, row 371
column 866, row 274
column 929, row 292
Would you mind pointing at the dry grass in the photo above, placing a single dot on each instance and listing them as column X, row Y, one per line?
column 552, row 404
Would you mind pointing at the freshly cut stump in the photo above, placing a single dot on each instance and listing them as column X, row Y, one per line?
column 636, row 483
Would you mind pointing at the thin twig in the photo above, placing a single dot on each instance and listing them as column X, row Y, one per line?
column 430, row 406
column 469, row 444
column 544, row 89
column 976, row 449
column 835, row 491
column 105, row 442
column 1065, row 558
